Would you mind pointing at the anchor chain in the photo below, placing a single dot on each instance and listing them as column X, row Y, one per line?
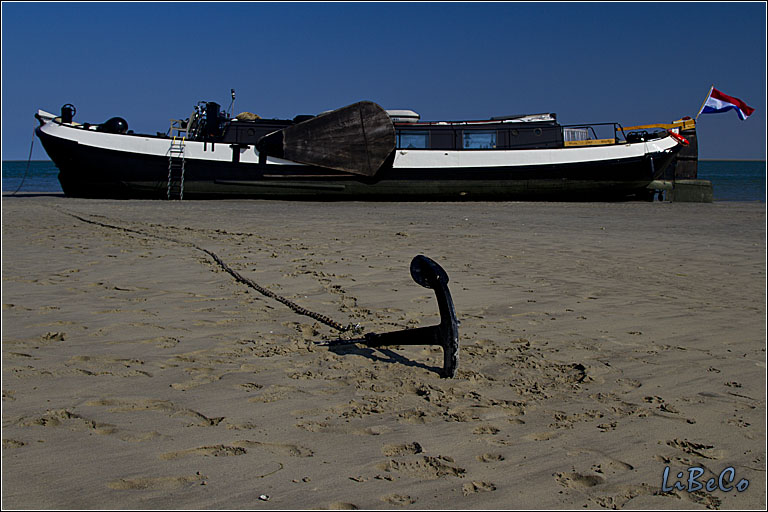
column 269, row 293
column 238, row 277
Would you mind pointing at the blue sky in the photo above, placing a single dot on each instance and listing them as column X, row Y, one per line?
column 632, row 63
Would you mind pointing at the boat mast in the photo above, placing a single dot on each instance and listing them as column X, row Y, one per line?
column 231, row 104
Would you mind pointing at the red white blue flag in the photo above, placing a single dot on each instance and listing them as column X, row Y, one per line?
column 717, row 102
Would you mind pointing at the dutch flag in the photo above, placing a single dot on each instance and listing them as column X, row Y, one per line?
column 718, row 102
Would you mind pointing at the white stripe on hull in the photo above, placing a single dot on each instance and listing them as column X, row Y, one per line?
column 151, row 146
column 430, row 158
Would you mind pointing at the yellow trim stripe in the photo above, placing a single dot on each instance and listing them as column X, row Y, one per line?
column 688, row 124
column 592, row 142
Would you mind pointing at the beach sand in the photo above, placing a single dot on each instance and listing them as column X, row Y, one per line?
column 600, row 344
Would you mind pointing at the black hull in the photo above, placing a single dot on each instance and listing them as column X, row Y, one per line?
column 98, row 173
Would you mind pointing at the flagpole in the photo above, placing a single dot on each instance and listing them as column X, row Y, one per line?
column 704, row 103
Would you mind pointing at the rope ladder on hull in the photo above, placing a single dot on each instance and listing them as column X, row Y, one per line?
column 176, row 162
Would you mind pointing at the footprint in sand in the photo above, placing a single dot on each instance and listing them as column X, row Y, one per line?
column 247, row 425
column 340, row 505
column 490, row 457
column 317, row 426
column 603, row 462
column 165, row 406
column 398, row 499
column 541, row 436
column 697, row 449
column 702, row 498
column 54, row 336
column 202, row 378
column 393, row 450
column 416, row 416
column 486, row 429
column 578, row 480
column 476, row 486
column 739, row 422
column 623, row 494
column 249, row 386
column 629, row 384
column 103, row 365
column 274, row 393
column 218, row 450
column 12, row 443
column 160, row 483
column 163, row 341
column 76, row 422
column 67, row 419
column 605, row 427
column 292, row 450
column 426, row 467
column 20, row 355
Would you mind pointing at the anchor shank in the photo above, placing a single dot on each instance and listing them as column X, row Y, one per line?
column 445, row 305
column 448, row 330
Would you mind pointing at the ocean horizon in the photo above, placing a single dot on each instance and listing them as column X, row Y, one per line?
column 732, row 180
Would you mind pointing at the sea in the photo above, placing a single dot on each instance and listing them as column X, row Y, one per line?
column 732, row 180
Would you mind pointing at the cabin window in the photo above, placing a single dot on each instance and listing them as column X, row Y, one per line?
column 442, row 139
column 413, row 140
column 480, row 140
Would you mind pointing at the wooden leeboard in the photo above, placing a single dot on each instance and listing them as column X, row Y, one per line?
column 357, row 139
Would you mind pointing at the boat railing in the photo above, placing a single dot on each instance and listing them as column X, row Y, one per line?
column 178, row 128
column 587, row 134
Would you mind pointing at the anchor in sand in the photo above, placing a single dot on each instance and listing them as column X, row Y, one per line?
column 428, row 274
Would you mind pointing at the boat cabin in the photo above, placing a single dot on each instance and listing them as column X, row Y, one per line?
column 512, row 132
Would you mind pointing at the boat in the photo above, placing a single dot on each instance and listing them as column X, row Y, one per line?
column 360, row 152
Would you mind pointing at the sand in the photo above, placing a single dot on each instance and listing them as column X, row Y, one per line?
column 600, row 344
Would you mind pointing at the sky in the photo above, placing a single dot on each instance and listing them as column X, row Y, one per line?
column 625, row 62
